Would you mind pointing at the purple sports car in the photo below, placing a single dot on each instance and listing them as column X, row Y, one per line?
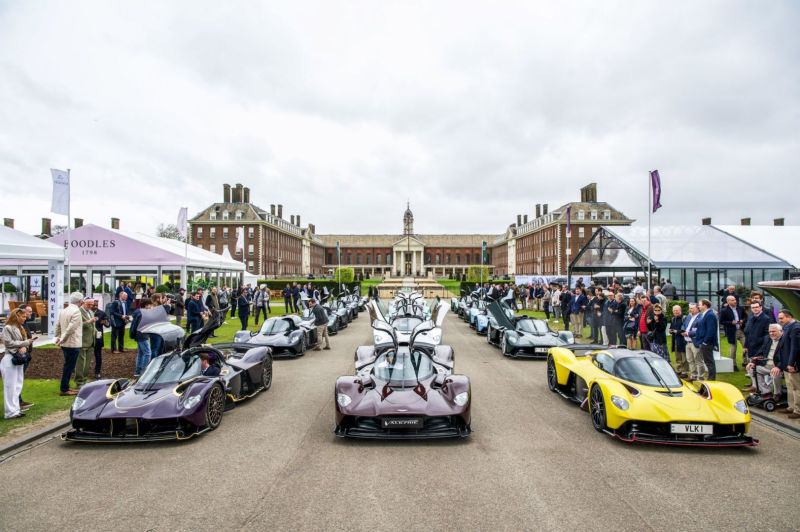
column 403, row 392
column 174, row 398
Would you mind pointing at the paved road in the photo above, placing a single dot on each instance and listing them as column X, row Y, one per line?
column 533, row 462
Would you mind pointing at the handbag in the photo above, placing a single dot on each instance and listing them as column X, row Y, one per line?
column 20, row 359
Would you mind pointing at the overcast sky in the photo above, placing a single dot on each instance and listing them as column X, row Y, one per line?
column 343, row 110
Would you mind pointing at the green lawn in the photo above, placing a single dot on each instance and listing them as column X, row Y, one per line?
column 737, row 378
column 44, row 393
column 454, row 286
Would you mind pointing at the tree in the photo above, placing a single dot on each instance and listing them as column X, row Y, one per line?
column 344, row 275
column 169, row 231
column 474, row 274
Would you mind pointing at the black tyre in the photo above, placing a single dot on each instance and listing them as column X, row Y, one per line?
column 488, row 334
column 215, row 406
column 266, row 375
column 769, row 405
column 552, row 377
column 597, row 409
column 504, row 344
column 301, row 349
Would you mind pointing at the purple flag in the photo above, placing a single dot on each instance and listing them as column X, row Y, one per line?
column 655, row 182
column 569, row 221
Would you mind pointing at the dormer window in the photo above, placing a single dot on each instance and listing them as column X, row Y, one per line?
column 238, row 215
column 594, row 215
column 213, row 215
column 225, row 215
column 581, row 215
column 606, row 215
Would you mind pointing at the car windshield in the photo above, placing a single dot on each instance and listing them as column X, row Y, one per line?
column 650, row 371
column 275, row 326
column 170, row 369
column 532, row 326
column 398, row 368
column 406, row 325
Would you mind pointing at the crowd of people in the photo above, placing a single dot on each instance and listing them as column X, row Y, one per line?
column 641, row 318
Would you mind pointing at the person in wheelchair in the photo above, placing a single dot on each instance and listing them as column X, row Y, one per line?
column 761, row 365
column 207, row 366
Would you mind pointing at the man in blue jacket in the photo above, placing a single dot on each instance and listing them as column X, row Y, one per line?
column 706, row 335
column 756, row 330
column 577, row 306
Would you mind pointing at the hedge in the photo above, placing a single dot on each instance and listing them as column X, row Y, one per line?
column 280, row 284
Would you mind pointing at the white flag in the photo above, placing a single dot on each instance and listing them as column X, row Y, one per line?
column 60, row 203
column 183, row 215
column 240, row 239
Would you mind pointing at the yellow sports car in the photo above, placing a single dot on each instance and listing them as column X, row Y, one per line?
column 636, row 396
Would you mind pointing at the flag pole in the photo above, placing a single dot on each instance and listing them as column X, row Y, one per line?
column 649, row 225
column 69, row 226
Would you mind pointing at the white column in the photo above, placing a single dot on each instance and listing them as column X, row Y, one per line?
column 413, row 263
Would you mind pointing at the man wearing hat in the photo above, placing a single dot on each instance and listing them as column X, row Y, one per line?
column 180, row 305
column 87, row 342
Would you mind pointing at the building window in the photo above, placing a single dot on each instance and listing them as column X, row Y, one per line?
column 224, row 232
column 377, row 258
column 581, row 215
column 212, row 248
column 250, row 265
column 199, row 232
column 606, row 215
column 349, row 258
column 389, row 259
column 213, row 215
column 458, row 259
column 358, row 258
column 250, row 249
column 238, row 215
column 438, row 259
column 580, row 232
column 594, row 215
column 212, row 232
column 251, row 232
column 330, row 258
column 447, row 259
column 225, row 215
column 427, row 258
column 369, row 259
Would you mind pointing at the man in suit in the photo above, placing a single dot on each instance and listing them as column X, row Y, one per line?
column 87, row 342
column 787, row 361
column 194, row 313
column 697, row 368
column 678, row 341
column 120, row 315
column 707, row 332
column 206, row 368
column 577, row 306
column 756, row 329
column 102, row 320
column 260, row 302
column 732, row 319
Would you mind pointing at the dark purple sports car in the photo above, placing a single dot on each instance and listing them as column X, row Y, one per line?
column 174, row 398
column 404, row 392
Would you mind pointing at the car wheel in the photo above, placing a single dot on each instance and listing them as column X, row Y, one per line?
column 552, row 378
column 266, row 375
column 301, row 349
column 503, row 345
column 488, row 334
column 215, row 406
column 597, row 408
column 769, row 406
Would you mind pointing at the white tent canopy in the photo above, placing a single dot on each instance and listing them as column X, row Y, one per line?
column 16, row 245
column 780, row 241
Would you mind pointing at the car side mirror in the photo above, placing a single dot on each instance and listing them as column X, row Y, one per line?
column 365, row 382
column 253, row 333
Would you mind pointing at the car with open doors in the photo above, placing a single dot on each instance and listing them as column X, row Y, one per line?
column 287, row 336
column 403, row 392
column 522, row 336
column 173, row 399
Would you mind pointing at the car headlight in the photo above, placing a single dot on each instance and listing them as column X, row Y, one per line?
column 343, row 399
column 461, row 399
column 620, row 402
column 436, row 338
column 512, row 339
column 78, row 403
column 191, row 402
column 741, row 406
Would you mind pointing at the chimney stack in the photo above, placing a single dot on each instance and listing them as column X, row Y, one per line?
column 706, row 221
column 226, row 193
column 589, row 193
column 544, row 209
column 272, row 209
column 525, row 219
column 292, row 219
column 777, row 222
column 47, row 227
column 280, row 211
column 8, row 222
column 538, row 210
column 312, row 228
column 237, row 193
column 114, row 223
column 519, row 219
column 246, row 197
column 78, row 222
column 745, row 221
column 297, row 218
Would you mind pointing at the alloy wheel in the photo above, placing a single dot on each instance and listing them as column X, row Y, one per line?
column 266, row 375
column 552, row 379
column 597, row 408
column 215, row 407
